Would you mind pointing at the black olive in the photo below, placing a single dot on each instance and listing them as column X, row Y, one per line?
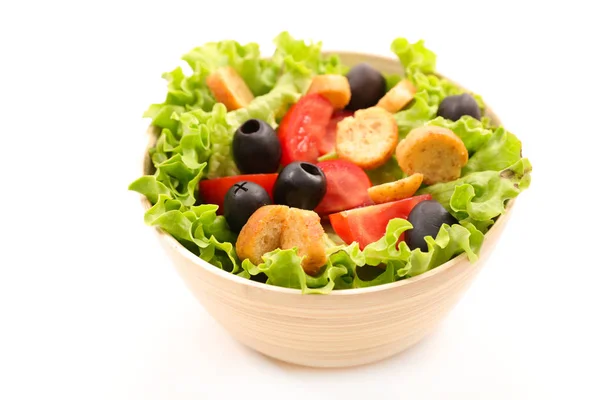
column 300, row 185
column 241, row 201
column 454, row 107
column 256, row 148
column 426, row 218
column 367, row 86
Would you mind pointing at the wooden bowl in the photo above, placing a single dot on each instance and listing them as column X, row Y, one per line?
column 345, row 328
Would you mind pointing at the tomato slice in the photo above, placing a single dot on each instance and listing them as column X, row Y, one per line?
column 213, row 191
column 367, row 224
column 326, row 143
column 347, row 187
column 302, row 126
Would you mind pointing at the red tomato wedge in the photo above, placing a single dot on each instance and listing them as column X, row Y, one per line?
column 347, row 186
column 301, row 128
column 213, row 191
column 367, row 224
column 326, row 143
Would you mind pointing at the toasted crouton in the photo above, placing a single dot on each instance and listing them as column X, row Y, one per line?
column 278, row 226
column 334, row 88
column 367, row 139
column 398, row 96
column 262, row 233
column 229, row 88
column 398, row 190
column 303, row 230
column 434, row 151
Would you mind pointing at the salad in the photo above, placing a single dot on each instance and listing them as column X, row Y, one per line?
column 302, row 172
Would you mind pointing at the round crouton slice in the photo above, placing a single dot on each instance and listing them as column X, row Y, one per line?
column 436, row 152
column 398, row 190
column 367, row 139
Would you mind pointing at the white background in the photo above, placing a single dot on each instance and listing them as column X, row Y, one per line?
column 90, row 308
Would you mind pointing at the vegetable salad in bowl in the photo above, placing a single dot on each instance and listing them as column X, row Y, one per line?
column 301, row 172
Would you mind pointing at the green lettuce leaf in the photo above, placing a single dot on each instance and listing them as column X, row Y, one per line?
column 259, row 73
column 363, row 268
column 449, row 242
column 414, row 56
column 187, row 90
column 216, row 135
column 307, row 56
column 471, row 131
column 148, row 186
column 174, row 178
column 178, row 90
column 347, row 257
column 282, row 267
column 183, row 93
column 420, row 69
column 481, row 196
column 273, row 105
column 416, row 115
column 181, row 179
column 164, row 147
column 437, row 88
column 397, row 257
column 326, row 281
column 375, row 275
column 161, row 115
column 491, row 149
column 502, row 150
column 386, row 248
column 431, row 90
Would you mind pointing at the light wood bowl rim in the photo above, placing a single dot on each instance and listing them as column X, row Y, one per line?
column 462, row 258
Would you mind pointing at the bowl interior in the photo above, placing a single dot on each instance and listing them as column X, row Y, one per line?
column 383, row 64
